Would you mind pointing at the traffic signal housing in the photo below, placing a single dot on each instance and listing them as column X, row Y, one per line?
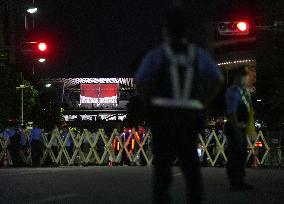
column 34, row 47
column 233, row 28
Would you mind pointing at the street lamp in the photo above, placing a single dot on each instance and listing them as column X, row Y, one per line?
column 41, row 60
column 48, row 85
column 32, row 10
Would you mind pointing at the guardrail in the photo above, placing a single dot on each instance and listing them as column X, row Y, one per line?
column 99, row 148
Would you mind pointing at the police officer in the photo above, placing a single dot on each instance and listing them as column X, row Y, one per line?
column 13, row 134
column 24, row 143
column 173, row 79
column 36, row 145
column 239, row 113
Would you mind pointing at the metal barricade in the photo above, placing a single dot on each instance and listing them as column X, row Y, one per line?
column 4, row 143
column 220, row 143
column 100, row 149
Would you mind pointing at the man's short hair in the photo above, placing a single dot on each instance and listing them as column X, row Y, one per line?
column 176, row 22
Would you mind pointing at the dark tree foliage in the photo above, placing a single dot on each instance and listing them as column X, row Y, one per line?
column 10, row 102
column 46, row 112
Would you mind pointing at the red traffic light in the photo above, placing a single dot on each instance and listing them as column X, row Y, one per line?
column 242, row 26
column 42, row 46
column 232, row 28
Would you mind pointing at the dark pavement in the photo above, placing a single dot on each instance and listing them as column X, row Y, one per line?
column 127, row 185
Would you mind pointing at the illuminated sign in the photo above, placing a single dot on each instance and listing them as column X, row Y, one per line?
column 99, row 93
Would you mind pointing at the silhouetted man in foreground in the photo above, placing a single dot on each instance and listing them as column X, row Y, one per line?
column 173, row 79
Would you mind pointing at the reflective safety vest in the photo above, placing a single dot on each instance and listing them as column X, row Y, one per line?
column 245, row 111
column 175, row 84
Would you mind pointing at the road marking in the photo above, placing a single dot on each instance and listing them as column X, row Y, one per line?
column 54, row 198
column 14, row 172
column 21, row 172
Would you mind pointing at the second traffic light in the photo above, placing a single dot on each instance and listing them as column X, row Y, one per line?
column 231, row 28
column 34, row 47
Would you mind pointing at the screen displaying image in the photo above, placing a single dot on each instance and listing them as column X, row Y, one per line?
column 99, row 93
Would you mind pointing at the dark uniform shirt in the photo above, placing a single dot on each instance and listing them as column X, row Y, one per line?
column 36, row 134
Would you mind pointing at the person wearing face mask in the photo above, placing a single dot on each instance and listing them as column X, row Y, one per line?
column 240, row 114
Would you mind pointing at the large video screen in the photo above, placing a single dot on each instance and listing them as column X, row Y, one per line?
column 99, row 93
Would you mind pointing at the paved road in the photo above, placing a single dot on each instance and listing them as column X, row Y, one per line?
column 127, row 185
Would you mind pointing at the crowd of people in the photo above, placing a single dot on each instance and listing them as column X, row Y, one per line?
column 20, row 140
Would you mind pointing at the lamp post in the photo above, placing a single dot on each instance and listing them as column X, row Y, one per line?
column 22, row 87
column 31, row 11
column 48, row 85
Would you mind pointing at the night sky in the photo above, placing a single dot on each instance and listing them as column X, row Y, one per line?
column 98, row 38
column 104, row 38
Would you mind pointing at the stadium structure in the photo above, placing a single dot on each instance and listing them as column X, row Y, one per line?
column 92, row 99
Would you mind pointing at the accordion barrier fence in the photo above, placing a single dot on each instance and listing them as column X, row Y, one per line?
column 101, row 149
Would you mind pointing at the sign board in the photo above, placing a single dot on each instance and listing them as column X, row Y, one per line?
column 99, row 93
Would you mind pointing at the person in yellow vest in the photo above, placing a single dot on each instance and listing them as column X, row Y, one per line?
column 240, row 124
